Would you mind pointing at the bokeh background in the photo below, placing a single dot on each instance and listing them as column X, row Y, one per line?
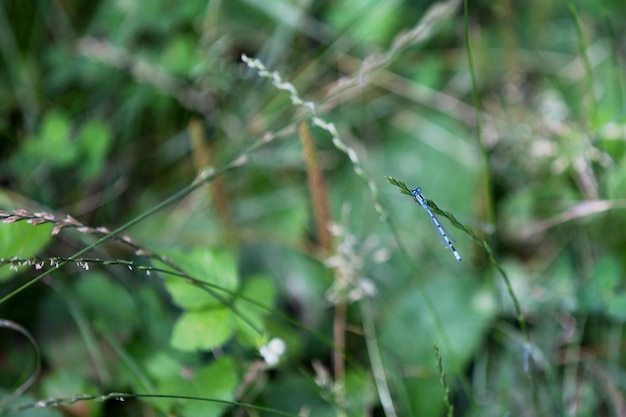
column 285, row 271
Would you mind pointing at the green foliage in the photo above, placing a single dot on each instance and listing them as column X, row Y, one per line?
column 214, row 267
column 52, row 143
column 205, row 329
column 54, row 146
column 146, row 116
column 214, row 313
column 409, row 326
column 257, row 297
column 21, row 240
column 93, row 144
column 216, row 381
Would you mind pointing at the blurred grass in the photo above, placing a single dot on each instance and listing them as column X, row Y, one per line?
column 109, row 108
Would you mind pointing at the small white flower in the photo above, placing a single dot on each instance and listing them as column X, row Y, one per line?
column 272, row 352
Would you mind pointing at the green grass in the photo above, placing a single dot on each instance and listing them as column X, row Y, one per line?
column 186, row 186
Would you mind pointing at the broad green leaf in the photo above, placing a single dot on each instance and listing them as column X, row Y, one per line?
column 52, row 143
column 215, row 267
column 178, row 55
column 161, row 365
column 21, row 240
column 250, row 317
column 203, row 329
column 409, row 331
column 94, row 141
column 216, row 381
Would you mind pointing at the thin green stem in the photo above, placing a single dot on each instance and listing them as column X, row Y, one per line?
column 487, row 192
column 8, row 324
column 582, row 47
column 120, row 396
column 376, row 361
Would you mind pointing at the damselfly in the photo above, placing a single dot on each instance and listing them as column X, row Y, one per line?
column 440, row 229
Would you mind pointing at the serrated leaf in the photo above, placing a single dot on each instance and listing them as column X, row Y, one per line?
column 203, row 329
column 214, row 267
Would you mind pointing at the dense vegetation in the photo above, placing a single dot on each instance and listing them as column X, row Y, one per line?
column 206, row 208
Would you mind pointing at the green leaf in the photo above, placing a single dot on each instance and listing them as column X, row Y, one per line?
column 94, row 142
column 261, row 290
column 21, row 240
column 161, row 365
column 203, row 329
column 215, row 267
column 409, row 331
column 52, row 143
column 216, row 381
column 178, row 56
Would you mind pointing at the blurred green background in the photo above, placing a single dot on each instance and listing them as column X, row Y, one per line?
column 279, row 284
